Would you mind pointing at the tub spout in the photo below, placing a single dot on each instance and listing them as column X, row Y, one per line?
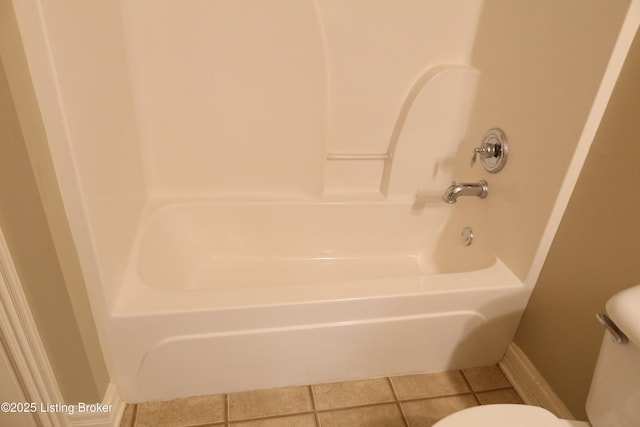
column 457, row 189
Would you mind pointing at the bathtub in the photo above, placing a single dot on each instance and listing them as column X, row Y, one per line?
column 230, row 296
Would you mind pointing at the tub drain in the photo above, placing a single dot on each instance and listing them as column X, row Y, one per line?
column 466, row 236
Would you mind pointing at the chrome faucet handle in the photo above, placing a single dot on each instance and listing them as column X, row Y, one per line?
column 493, row 151
column 485, row 150
column 475, row 155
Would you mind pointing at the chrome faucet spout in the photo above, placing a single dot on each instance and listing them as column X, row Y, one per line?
column 457, row 189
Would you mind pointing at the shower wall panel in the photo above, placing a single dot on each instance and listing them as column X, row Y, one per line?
column 230, row 95
column 90, row 89
column 246, row 97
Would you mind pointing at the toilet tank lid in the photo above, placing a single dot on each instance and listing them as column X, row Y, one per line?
column 624, row 309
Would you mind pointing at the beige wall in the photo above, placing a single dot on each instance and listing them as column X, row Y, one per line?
column 541, row 64
column 595, row 252
column 24, row 225
column 34, row 223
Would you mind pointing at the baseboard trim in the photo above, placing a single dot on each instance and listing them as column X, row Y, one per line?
column 529, row 383
column 107, row 414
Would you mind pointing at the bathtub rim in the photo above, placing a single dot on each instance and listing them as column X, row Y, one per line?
column 137, row 298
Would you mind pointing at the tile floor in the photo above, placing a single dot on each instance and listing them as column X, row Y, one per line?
column 417, row 400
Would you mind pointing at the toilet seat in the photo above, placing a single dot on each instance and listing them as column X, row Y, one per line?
column 501, row 415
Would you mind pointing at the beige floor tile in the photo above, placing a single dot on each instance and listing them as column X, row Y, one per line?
column 424, row 413
column 306, row 420
column 387, row 415
column 486, row 378
column 181, row 412
column 353, row 393
column 507, row 395
column 430, row 385
column 264, row 403
column 128, row 417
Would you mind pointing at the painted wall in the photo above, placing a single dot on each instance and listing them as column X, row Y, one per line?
column 24, row 224
column 595, row 252
column 541, row 65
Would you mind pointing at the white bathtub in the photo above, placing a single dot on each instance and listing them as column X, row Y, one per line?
column 224, row 297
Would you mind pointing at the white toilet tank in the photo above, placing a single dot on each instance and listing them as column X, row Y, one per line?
column 614, row 397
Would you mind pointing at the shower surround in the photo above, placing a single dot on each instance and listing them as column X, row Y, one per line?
column 240, row 177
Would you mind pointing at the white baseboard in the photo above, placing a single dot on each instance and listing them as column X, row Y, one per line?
column 107, row 414
column 529, row 383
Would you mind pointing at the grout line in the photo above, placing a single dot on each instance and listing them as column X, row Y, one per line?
column 477, row 392
column 314, row 404
column 271, row 417
column 312, row 412
column 402, row 414
column 464, row 376
column 440, row 396
column 473, row 392
column 512, row 386
column 316, row 412
column 393, row 389
column 364, row 405
column 494, row 389
column 216, row 424
column 475, row 396
column 134, row 419
column 227, row 409
column 358, row 405
column 397, row 398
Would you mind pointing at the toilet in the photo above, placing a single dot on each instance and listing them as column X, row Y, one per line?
column 614, row 396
